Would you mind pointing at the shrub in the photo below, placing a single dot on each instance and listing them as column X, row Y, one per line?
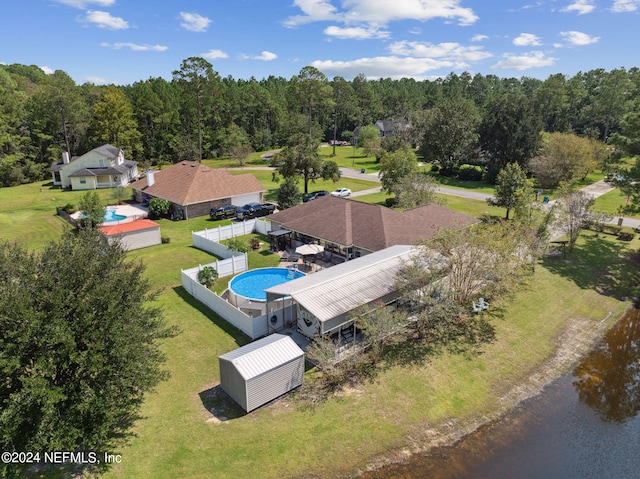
column 207, row 276
column 470, row 173
column 165, row 240
column 69, row 208
column 158, row 208
column 435, row 167
column 237, row 244
column 626, row 234
column 390, row 202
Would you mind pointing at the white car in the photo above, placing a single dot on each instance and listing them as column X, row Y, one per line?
column 341, row 192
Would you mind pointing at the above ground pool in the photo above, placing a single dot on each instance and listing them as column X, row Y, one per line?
column 251, row 284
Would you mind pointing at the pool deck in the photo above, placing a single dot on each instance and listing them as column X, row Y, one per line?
column 132, row 213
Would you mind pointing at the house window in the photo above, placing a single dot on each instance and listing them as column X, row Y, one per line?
column 83, row 181
column 224, row 201
column 101, row 163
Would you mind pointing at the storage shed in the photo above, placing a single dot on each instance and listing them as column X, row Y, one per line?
column 262, row 370
column 135, row 234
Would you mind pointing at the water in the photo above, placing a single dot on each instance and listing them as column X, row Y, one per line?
column 111, row 216
column 584, row 425
column 253, row 283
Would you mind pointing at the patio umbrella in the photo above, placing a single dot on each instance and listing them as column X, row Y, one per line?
column 309, row 249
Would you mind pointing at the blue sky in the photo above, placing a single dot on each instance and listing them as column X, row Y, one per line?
column 124, row 41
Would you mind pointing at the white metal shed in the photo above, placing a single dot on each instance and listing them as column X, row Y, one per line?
column 262, row 370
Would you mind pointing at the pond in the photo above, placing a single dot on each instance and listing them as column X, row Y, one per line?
column 583, row 425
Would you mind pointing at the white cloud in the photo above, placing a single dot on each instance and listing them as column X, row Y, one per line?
column 479, row 38
column 214, row 55
column 382, row 67
column 524, row 62
column 194, row 22
column 526, row 39
column 381, row 12
column 355, row 33
column 266, row 56
column 581, row 7
column 450, row 51
column 135, row 47
column 625, row 6
column 83, row 4
column 578, row 38
column 105, row 20
column 47, row 70
column 96, row 80
column 314, row 11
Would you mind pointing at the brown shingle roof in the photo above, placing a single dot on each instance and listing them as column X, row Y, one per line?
column 373, row 227
column 188, row 183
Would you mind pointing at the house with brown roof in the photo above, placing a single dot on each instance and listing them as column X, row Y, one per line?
column 353, row 228
column 193, row 188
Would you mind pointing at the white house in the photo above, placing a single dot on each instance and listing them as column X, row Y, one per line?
column 102, row 167
column 135, row 234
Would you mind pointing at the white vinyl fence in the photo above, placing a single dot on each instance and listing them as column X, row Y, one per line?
column 234, row 262
column 274, row 320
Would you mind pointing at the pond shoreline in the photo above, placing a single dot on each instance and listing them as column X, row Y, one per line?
column 577, row 338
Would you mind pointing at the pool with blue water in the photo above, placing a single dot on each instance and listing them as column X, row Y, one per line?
column 251, row 284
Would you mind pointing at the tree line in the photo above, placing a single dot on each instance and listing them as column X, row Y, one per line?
column 197, row 114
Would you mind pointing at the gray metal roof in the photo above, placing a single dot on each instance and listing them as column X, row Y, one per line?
column 342, row 288
column 110, row 170
column 263, row 355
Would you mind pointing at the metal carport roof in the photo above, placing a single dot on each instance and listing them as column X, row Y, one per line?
column 342, row 288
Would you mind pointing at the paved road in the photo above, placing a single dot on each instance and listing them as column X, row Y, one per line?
column 596, row 189
column 350, row 173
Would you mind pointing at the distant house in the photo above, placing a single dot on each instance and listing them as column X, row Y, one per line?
column 193, row 188
column 386, row 128
column 134, row 235
column 353, row 228
column 102, row 167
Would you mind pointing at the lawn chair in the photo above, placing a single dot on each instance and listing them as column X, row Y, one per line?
column 483, row 304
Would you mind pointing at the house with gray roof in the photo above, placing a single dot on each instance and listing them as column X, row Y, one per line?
column 102, row 167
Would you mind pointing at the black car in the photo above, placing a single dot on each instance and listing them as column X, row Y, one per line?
column 221, row 212
column 270, row 207
column 314, row 195
column 251, row 210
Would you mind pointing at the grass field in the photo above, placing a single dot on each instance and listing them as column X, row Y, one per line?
column 420, row 390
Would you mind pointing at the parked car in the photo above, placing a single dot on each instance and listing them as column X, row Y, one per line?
column 270, row 207
column 252, row 210
column 221, row 212
column 314, row 194
column 341, row 192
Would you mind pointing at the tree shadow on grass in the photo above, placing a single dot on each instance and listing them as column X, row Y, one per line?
column 598, row 263
column 239, row 337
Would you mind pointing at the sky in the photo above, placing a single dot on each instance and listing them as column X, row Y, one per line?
column 125, row 41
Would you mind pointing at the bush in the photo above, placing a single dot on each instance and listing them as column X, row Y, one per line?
column 449, row 171
column 158, row 208
column 470, row 173
column 612, row 229
column 435, row 167
column 390, row 202
column 207, row 276
column 626, row 234
column 69, row 208
column 237, row 244
column 165, row 240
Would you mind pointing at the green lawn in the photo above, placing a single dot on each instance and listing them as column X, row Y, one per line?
column 611, row 202
column 178, row 436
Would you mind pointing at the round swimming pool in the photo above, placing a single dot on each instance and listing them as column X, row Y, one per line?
column 251, row 284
